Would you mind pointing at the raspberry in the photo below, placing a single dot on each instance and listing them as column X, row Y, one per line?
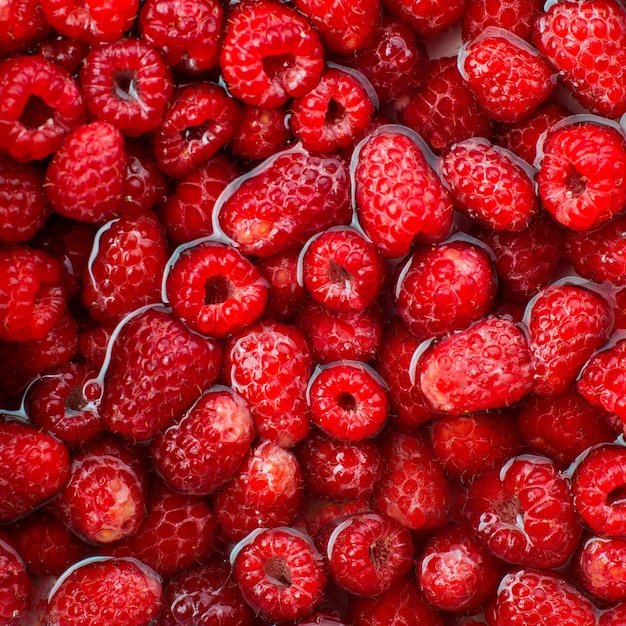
column 316, row 514
column 64, row 51
column 285, row 294
column 16, row 583
column 598, row 567
column 22, row 24
column 145, row 184
column 426, row 17
column 516, row 16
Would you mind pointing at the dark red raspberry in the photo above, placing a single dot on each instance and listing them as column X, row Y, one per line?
column 599, row 566
column 285, row 294
column 17, row 586
column 64, row 51
column 315, row 513
column 145, row 186
column 516, row 16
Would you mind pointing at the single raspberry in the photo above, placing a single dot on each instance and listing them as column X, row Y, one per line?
column 613, row 616
column 516, row 16
column 285, row 201
column 490, row 185
column 315, row 514
column 188, row 34
column 339, row 470
column 270, row 53
column 599, row 567
column 348, row 400
column 126, row 267
column 525, row 512
column 444, row 287
column 40, row 103
column 93, row 22
column 203, row 594
column 201, row 119
column 456, row 572
column 34, row 466
column 426, row 17
column 334, row 114
column 280, row 574
column 470, row 445
column 270, row 364
column 413, row 489
column 198, row 453
column 107, row 592
column 32, row 294
column 398, row 194
column 84, row 179
column 586, row 44
column 486, row 366
column 127, row 84
column 158, row 368
column 529, row 597
column 145, row 186
column 215, row 290
column 266, row 492
column 582, row 177
column 67, row 52
column 285, row 295
column 17, row 587
column 22, row 24
column 444, row 109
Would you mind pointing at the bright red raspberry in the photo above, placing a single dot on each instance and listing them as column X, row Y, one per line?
column 94, row 21
column 40, row 103
column 144, row 184
column 127, row 84
column 201, row 119
column 285, row 294
column 17, row 586
column 22, row 24
column 444, row 287
column 107, row 592
column 270, row 53
column 266, row 492
column 413, row 489
column 486, row 366
column 586, row 44
column 525, row 512
column 199, row 452
column 285, row 201
column 32, row 294
column 188, row 34
column 530, row 597
column 270, row 364
column 315, row 513
column 582, row 177
column 599, row 568
column 85, row 178
column 34, row 466
column 280, row 574
column 158, row 369
column 398, row 194
column 215, row 290
column 516, row 16
column 426, row 17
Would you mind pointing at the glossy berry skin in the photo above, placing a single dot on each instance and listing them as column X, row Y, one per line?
column 280, row 574
column 315, row 513
column 110, row 592
column 16, row 583
column 202, row 450
column 270, row 53
column 516, row 16
column 485, row 366
column 22, row 24
column 286, row 296
column 599, row 568
column 426, row 18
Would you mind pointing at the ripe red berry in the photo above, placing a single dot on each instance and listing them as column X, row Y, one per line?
column 17, row 586
column 598, row 567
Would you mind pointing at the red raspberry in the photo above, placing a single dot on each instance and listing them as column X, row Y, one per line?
column 107, row 592
column 426, row 17
column 40, row 103
column 613, row 616
column 201, row 119
column 126, row 84
column 444, row 109
column 35, row 465
column 525, row 512
column 280, row 574
column 64, row 51
column 348, row 400
column 17, row 586
column 285, row 201
column 599, row 567
column 188, row 34
column 367, row 554
column 270, row 53
column 342, row 270
column 470, row 445
column 486, row 366
column 266, row 492
column 413, row 489
column 285, row 294
column 270, row 364
column 530, row 597
column 339, row 470
column 444, row 287
column 586, row 43
column 490, row 185
column 334, row 114
column 32, row 294
column 202, row 450
column 516, row 16
column 22, row 23
column 93, row 22
column 144, row 184
column 84, row 180
column 456, row 572
column 398, row 194
column 215, row 290
column 205, row 595
column 582, row 178
column 158, row 368
column 315, row 514
column 126, row 267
